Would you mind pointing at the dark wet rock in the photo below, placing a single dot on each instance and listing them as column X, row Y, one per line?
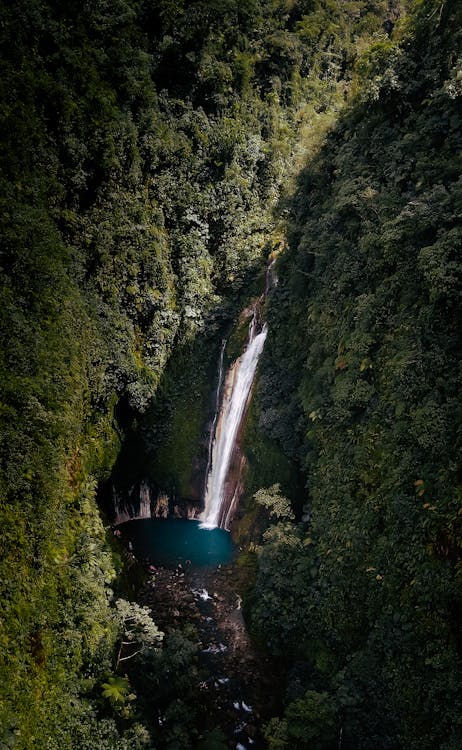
column 232, row 670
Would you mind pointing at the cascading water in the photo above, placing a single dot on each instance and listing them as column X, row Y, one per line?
column 217, row 404
column 130, row 511
column 218, row 499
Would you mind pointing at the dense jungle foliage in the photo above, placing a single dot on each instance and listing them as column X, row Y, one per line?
column 144, row 147
column 362, row 382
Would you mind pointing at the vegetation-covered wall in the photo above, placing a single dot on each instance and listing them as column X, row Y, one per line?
column 143, row 150
column 362, row 384
column 142, row 147
column 135, row 193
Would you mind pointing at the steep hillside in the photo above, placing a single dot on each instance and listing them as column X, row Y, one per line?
column 362, row 384
column 142, row 149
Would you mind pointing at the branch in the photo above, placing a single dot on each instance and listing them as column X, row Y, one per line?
column 124, row 658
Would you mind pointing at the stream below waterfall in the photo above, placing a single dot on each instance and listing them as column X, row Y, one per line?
column 236, row 688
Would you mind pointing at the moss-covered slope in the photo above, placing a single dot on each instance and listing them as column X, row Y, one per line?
column 365, row 343
column 142, row 149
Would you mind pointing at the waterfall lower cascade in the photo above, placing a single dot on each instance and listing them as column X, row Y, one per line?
column 220, row 497
column 130, row 511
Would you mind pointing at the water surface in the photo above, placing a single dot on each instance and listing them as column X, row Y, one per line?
column 171, row 541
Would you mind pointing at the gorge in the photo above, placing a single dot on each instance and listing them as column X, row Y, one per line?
column 153, row 157
column 223, row 470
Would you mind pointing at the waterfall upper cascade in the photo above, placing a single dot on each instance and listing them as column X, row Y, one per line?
column 217, row 409
column 221, row 495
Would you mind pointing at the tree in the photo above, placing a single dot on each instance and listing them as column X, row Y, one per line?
column 116, row 688
column 139, row 631
column 277, row 505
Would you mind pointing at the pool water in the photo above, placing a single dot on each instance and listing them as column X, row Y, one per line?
column 171, row 541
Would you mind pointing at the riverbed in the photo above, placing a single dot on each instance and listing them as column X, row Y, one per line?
column 238, row 684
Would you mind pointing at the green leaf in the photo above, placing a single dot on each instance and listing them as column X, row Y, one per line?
column 116, row 689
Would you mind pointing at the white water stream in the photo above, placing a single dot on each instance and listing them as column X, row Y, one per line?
column 237, row 390
column 217, row 405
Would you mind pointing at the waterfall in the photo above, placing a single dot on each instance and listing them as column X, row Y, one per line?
column 218, row 499
column 124, row 511
column 271, row 277
column 215, row 417
column 145, row 501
